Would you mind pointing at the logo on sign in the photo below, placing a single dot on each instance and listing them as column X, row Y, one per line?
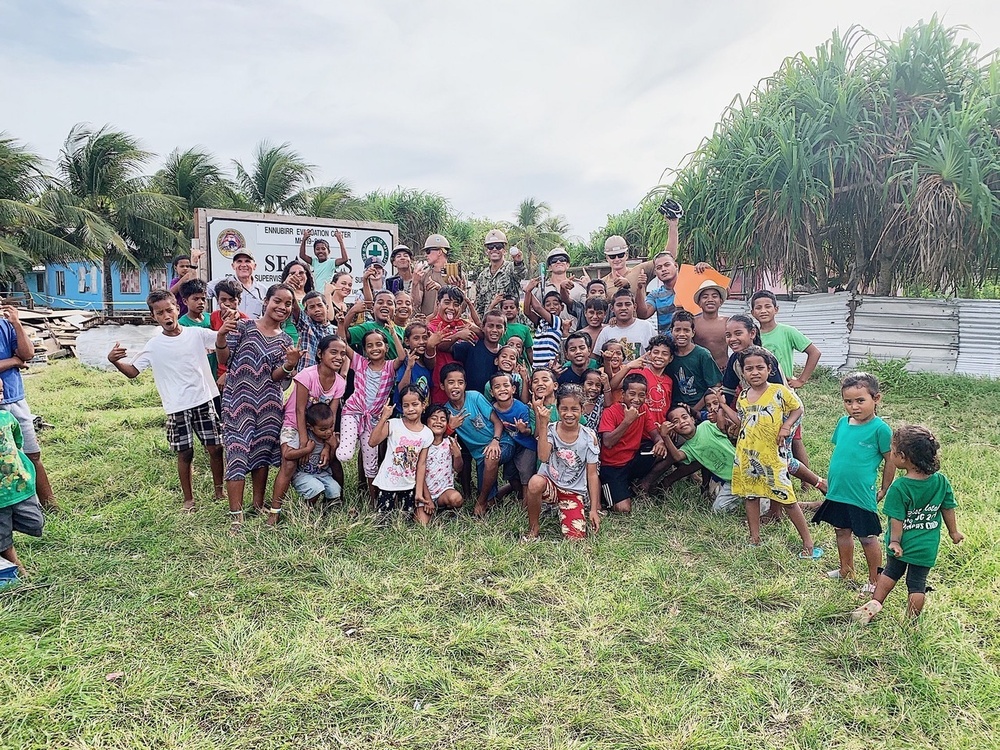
column 230, row 242
column 375, row 247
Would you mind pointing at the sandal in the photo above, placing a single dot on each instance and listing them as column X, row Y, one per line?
column 864, row 614
column 817, row 553
column 236, row 524
column 528, row 539
column 187, row 510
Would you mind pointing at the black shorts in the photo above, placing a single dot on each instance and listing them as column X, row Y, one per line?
column 24, row 517
column 862, row 522
column 389, row 500
column 202, row 421
column 616, row 481
column 916, row 575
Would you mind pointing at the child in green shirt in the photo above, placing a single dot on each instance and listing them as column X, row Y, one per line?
column 916, row 504
column 19, row 507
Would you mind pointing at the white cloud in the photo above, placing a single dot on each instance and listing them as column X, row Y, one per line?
column 579, row 104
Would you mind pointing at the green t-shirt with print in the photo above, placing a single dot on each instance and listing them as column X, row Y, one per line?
column 188, row 322
column 712, row 449
column 693, row 373
column 858, row 452
column 356, row 333
column 783, row 342
column 17, row 473
column 918, row 504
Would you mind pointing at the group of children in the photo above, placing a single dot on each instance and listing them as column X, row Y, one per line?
column 542, row 414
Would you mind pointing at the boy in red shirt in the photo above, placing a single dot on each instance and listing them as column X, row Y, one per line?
column 653, row 367
column 623, row 427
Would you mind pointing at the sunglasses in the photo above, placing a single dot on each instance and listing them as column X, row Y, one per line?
column 616, row 256
column 495, row 246
column 558, row 259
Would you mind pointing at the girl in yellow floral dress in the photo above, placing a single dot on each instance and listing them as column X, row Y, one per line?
column 767, row 414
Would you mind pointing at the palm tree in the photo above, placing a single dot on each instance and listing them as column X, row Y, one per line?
column 276, row 180
column 535, row 230
column 196, row 178
column 336, row 201
column 104, row 203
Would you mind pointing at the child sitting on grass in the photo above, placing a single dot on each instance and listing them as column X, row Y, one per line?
column 436, row 470
column 313, row 480
column 568, row 475
column 184, row 381
column 916, row 504
column 623, row 427
column 19, row 507
column 518, row 422
column 479, row 428
column 706, row 445
column 407, row 442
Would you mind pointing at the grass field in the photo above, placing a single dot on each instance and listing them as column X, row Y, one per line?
column 665, row 631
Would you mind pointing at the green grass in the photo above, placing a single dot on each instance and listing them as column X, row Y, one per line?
column 665, row 631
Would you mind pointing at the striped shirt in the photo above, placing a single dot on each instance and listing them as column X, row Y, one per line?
column 548, row 342
column 357, row 404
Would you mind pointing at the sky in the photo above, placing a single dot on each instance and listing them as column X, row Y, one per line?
column 584, row 105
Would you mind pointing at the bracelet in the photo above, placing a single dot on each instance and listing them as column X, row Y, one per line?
column 495, row 438
column 220, row 348
column 284, row 369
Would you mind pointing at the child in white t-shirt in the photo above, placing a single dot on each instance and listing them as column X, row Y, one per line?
column 436, row 471
column 186, row 385
column 407, row 442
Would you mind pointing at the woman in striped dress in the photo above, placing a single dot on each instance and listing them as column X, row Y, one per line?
column 260, row 360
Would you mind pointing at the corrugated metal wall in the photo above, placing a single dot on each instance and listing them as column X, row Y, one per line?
column 946, row 336
column 821, row 317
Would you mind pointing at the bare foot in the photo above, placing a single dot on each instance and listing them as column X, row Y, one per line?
column 479, row 510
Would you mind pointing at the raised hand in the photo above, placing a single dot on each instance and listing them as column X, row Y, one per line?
column 387, row 410
column 453, row 444
column 117, row 353
column 701, row 267
column 631, row 414
column 10, row 312
column 641, row 279
column 541, row 414
column 307, row 234
column 457, row 420
column 229, row 320
column 292, row 357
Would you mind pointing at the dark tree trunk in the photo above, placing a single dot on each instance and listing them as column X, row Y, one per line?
column 107, row 286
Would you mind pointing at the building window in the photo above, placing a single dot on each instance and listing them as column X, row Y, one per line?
column 157, row 278
column 60, row 283
column 130, row 281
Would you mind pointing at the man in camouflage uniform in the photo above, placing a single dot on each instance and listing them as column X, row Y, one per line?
column 500, row 276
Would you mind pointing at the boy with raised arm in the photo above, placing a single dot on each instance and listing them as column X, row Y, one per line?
column 184, row 381
column 323, row 266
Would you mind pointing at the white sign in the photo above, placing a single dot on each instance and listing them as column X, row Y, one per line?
column 274, row 242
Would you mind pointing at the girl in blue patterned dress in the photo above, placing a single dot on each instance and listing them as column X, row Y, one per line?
column 260, row 360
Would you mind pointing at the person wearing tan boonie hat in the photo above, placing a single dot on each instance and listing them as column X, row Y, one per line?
column 710, row 327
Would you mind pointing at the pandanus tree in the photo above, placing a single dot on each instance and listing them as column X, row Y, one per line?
column 417, row 213
column 106, row 207
column 870, row 165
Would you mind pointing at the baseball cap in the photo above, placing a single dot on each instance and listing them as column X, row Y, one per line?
column 244, row 251
column 372, row 260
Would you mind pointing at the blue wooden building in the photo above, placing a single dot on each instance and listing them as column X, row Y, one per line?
column 79, row 286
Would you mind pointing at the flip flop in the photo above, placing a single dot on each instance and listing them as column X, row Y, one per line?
column 526, row 539
column 864, row 614
column 817, row 553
